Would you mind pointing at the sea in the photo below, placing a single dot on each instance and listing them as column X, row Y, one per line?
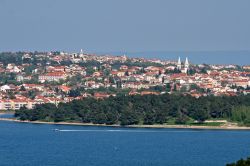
column 26, row 144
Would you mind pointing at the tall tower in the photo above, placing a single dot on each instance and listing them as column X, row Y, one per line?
column 81, row 55
column 179, row 64
column 81, row 52
column 186, row 65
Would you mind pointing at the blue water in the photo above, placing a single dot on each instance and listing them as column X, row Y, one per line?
column 38, row 144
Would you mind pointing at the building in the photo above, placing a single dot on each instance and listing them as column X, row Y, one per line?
column 186, row 65
column 185, row 68
column 179, row 64
column 16, row 104
column 8, row 88
column 53, row 76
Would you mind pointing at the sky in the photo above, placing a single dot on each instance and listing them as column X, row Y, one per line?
column 124, row 25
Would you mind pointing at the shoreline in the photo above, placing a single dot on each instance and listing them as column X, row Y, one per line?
column 2, row 112
column 159, row 126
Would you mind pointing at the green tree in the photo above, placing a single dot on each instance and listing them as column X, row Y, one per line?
column 241, row 114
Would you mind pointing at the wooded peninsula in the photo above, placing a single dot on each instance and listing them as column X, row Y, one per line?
column 147, row 109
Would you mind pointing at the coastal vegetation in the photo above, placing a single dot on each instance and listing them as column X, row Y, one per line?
column 147, row 109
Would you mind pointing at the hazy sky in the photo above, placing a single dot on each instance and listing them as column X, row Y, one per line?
column 124, row 25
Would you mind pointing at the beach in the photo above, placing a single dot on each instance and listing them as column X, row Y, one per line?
column 222, row 127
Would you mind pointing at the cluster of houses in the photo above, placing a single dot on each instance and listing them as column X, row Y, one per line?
column 49, row 82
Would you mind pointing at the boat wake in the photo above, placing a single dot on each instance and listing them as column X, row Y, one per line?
column 129, row 131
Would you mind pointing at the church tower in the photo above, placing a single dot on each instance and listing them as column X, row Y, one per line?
column 179, row 64
column 186, row 65
column 81, row 53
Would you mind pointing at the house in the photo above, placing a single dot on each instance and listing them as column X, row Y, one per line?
column 246, row 67
column 124, row 67
column 131, row 93
column 155, row 69
column 52, row 100
column 58, row 58
column 48, row 92
column 243, row 83
column 12, row 68
column 53, row 76
column 8, row 88
column 149, row 93
column 101, row 95
column 55, row 69
column 68, row 99
column 64, row 88
column 118, row 73
column 23, row 78
column 33, row 86
column 97, row 74
column 135, row 85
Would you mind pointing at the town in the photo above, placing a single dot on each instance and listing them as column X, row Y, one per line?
column 30, row 78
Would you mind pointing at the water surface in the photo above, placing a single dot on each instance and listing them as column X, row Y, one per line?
column 39, row 144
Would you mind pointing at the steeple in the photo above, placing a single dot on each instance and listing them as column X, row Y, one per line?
column 179, row 64
column 81, row 52
column 186, row 63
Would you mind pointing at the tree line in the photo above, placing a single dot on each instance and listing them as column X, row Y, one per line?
column 147, row 109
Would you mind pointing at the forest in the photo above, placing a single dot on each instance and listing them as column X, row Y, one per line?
column 147, row 109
